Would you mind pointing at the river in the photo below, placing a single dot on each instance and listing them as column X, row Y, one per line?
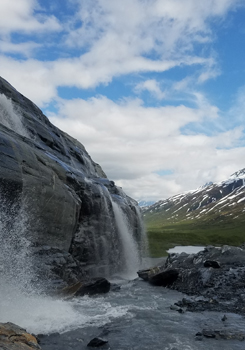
column 138, row 317
column 135, row 317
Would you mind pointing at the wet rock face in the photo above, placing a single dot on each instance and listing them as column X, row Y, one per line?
column 65, row 197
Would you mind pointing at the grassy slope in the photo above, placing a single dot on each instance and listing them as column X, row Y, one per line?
column 212, row 230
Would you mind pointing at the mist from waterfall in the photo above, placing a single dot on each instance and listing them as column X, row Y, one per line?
column 16, row 265
column 22, row 303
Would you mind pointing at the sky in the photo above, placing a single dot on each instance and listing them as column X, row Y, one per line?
column 154, row 89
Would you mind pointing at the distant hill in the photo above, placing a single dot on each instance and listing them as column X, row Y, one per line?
column 145, row 204
column 211, row 214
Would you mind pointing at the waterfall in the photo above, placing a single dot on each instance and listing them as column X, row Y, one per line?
column 129, row 247
column 15, row 258
column 10, row 117
column 143, row 240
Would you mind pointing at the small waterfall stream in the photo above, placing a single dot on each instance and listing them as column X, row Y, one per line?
column 129, row 246
column 10, row 117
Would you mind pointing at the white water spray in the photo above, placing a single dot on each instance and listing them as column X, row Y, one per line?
column 10, row 117
column 15, row 259
column 25, row 305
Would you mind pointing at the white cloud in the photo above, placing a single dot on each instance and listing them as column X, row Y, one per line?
column 25, row 49
column 115, row 38
column 132, row 143
column 152, row 86
column 19, row 16
column 31, row 77
column 85, row 72
column 140, row 24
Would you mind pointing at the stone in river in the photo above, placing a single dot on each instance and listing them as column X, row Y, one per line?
column 96, row 342
column 212, row 263
column 91, row 287
column 164, row 278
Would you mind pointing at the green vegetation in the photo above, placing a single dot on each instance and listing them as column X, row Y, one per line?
column 163, row 236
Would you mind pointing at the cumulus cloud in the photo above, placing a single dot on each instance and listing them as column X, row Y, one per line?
column 25, row 49
column 152, row 86
column 133, row 143
column 31, row 77
column 111, row 39
column 19, row 16
column 104, row 39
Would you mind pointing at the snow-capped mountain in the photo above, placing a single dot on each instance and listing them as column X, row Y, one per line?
column 224, row 201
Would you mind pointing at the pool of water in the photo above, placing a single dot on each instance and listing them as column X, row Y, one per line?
column 189, row 249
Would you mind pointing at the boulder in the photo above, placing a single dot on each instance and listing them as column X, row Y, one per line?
column 164, row 278
column 97, row 342
column 13, row 337
column 92, row 287
column 147, row 273
column 211, row 263
column 159, row 275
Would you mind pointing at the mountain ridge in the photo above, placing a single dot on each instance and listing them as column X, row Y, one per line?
column 218, row 198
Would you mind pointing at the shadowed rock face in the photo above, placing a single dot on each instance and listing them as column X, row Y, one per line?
column 66, row 197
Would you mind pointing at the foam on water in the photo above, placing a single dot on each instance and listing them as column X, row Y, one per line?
column 43, row 314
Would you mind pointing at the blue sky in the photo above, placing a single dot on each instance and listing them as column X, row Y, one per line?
column 154, row 89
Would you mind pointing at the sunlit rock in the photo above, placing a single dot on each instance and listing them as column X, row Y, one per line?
column 13, row 337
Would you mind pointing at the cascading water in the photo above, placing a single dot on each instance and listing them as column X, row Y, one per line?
column 118, row 240
column 15, row 258
column 128, row 244
column 10, row 117
column 143, row 240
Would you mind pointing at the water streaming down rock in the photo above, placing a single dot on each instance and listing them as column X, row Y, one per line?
column 10, row 117
column 128, row 243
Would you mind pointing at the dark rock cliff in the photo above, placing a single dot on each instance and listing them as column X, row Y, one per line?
column 49, row 184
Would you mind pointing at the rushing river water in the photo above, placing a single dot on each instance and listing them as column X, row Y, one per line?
column 135, row 317
column 138, row 317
